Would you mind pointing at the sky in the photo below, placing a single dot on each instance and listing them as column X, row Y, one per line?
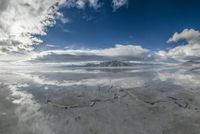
column 95, row 30
column 142, row 22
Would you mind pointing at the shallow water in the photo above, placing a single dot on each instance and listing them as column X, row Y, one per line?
column 105, row 101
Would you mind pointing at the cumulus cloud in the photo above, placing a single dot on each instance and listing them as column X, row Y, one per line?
column 188, row 51
column 120, row 52
column 190, row 35
column 21, row 20
column 123, row 50
column 118, row 3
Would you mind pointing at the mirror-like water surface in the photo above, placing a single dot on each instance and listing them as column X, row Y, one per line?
column 104, row 101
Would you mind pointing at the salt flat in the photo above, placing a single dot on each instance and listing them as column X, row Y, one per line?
column 100, row 101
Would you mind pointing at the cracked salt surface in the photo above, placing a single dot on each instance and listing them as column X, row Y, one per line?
column 149, row 102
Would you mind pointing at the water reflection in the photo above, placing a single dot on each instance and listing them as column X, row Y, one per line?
column 151, row 89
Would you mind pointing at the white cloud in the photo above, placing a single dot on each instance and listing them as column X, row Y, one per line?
column 188, row 51
column 21, row 20
column 120, row 52
column 185, row 52
column 190, row 35
column 50, row 45
column 81, row 4
column 95, row 4
column 118, row 3
column 63, row 19
column 124, row 50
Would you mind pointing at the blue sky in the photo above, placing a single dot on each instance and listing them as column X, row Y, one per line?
column 141, row 22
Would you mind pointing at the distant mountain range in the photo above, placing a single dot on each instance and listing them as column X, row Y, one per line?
column 114, row 63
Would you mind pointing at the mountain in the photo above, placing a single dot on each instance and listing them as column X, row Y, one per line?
column 114, row 63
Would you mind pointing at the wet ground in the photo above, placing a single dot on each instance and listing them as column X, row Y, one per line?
column 100, row 101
